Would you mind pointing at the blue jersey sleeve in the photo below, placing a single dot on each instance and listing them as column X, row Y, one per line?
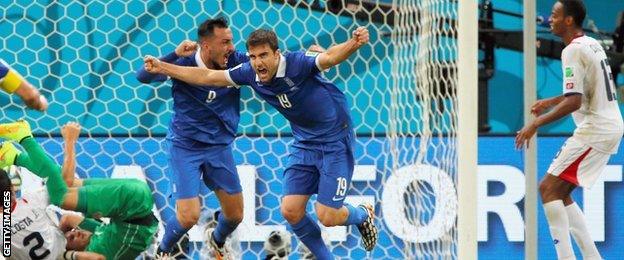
column 145, row 77
column 242, row 74
column 307, row 61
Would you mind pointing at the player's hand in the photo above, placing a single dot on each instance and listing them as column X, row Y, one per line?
column 540, row 106
column 43, row 103
column 70, row 131
column 360, row 35
column 152, row 64
column 524, row 135
column 186, row 48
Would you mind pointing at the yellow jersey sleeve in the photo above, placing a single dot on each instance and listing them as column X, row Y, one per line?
column 10, row 80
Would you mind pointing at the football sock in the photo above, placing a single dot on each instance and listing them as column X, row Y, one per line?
column 173, row 232
column 310, row 235
column 357, row 215
column 559, row 228
column 579, row 231
column 224, row 228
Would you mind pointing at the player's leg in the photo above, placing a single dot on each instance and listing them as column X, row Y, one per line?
column 300, row 181
column 19, row 131
column 34, row 159
column 553, row 190
column 589, row 170
column 556, row 187
column 293, row 208
column 336, row 171
column 185, row 165
column 221, row 176
column 580, row 233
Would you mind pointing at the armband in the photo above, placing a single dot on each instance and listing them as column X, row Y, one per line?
column 69, row 255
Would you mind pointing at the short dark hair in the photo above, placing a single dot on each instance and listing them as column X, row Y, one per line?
column 262, row 36
column 576, row 9
column 206, row 29
column 5, row 181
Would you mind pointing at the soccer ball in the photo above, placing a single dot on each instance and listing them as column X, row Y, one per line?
column 278, row 245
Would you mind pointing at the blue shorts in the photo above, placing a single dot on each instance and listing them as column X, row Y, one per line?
column 324, row 169
column 191, row 161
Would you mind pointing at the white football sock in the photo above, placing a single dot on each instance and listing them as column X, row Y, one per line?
column 579, row 231
column 559, row 228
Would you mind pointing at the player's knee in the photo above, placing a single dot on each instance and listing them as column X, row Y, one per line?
column 543, row 187
column 291, row 214
column 549, row 191
column 236, row 218
column 188, row 218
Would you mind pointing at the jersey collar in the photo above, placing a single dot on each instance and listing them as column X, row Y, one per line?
column 281, row 69
column 198, row 59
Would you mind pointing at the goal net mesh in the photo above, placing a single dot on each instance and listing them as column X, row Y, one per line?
column 82, row 55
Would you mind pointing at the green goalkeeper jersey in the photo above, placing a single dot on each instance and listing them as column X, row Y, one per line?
column 128, row 203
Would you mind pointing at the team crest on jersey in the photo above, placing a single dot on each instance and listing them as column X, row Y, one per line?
column 569, row 72
column 289, row 82
column 569, row 85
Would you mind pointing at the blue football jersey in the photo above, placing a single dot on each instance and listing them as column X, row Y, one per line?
column 205, row 113
column 316, row 108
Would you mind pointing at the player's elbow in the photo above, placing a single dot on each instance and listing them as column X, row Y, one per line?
column 69, row 181
column 576, row 105
column 574, row 101
column 143, row 77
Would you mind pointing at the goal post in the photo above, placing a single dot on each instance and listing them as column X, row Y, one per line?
column 467, row 90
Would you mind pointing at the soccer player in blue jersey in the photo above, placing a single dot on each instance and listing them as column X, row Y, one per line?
column 11, row 82
column 321, row 159
column 200, row 135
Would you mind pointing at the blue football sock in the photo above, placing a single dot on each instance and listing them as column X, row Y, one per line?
column 310, row 234
column 173, row 232
column 224, row 228
column 357, row 215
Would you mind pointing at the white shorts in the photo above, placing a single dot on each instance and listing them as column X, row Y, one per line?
column 578, row 163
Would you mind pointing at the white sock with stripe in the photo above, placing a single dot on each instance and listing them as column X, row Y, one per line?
column 579, row 231
column 559, row 228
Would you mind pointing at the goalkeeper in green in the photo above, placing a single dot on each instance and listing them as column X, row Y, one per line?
column 127, row 202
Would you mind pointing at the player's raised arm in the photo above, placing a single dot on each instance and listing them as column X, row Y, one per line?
column 192, row 75
column 12, row 82
column 70, row 133
column 338, row 53
column 185, row 49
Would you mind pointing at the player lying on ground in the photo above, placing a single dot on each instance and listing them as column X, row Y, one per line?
column 589, row 95
column 127, row 202
column 322, row 158
column 34, row 233
column 12, row 82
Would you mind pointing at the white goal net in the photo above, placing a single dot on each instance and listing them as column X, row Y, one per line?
column 400, row 88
